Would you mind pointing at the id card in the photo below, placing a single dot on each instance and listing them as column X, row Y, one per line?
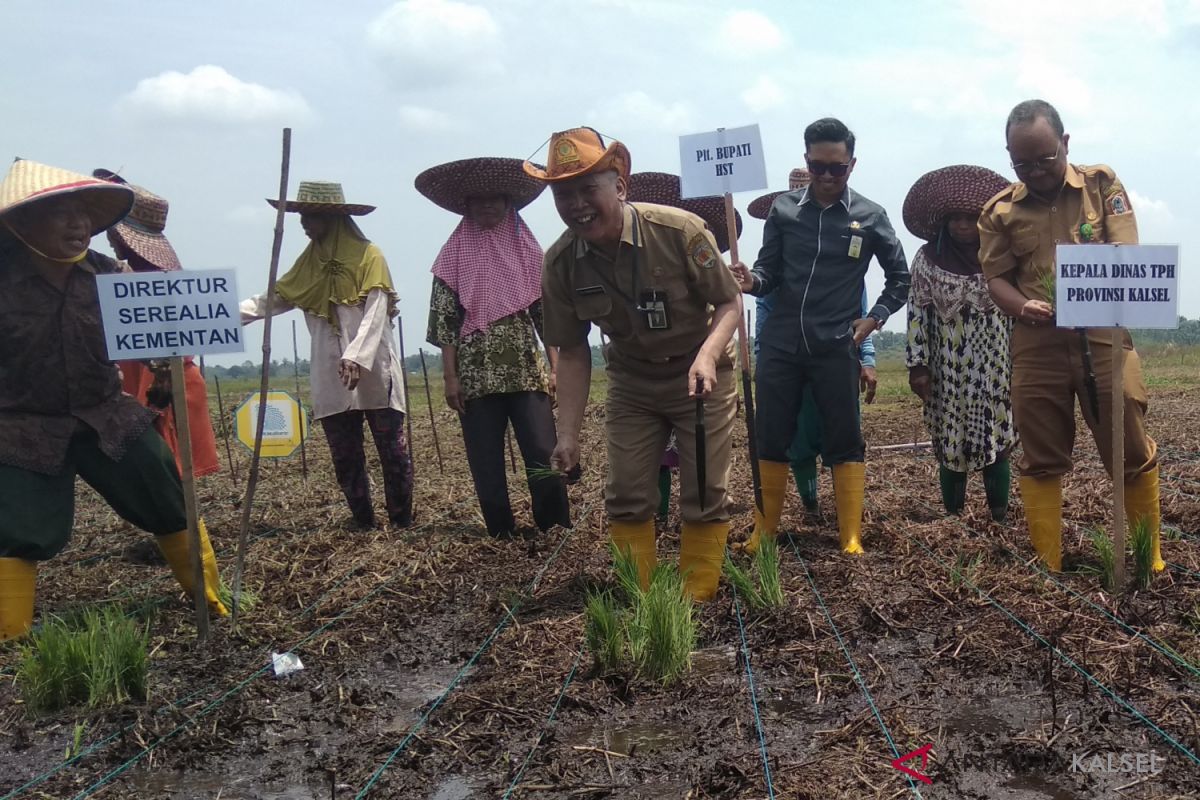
column 855, row 247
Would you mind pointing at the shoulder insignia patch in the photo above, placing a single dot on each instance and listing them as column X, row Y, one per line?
column 701, row 252
column 1118, row 203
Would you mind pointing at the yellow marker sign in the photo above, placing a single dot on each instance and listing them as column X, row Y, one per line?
column 285, row 425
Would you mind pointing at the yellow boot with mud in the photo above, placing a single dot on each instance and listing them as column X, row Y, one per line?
column 636, row 538
column 849, row 484
column 1043, row 511
column 174, row 547
column 1141, row 502
column 17, row 580
column 701, row 557
column 774, row 475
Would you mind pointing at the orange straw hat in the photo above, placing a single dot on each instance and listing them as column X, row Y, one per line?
column 28, row 182
column 580, row 151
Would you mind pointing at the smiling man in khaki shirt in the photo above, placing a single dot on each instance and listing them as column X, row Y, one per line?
column 651, row 278
column 1055, row 203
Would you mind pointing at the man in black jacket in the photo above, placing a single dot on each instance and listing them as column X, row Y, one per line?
column 817, row 245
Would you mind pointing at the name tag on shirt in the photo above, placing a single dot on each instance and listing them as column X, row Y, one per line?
column 855, row 247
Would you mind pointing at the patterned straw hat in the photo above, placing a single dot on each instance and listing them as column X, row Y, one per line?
column 142, row 230
column 28, row 181
column 761, row 206
column 322, row 197
column 663, row 188
column 580, row 151
column 449, row 185
column 958, row 189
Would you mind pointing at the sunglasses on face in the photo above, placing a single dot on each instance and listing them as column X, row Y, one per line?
column 836, row 170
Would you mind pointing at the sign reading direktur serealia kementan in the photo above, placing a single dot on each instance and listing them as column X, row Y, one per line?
column 165, row 314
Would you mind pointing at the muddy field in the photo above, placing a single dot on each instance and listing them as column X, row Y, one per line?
column 444, row 664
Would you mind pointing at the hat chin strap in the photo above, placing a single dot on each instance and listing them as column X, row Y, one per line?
column 21, row 239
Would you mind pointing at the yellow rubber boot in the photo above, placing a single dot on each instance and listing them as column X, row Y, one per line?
column 774, row 476
column 17, row 579
column 1043, row 512
column 701, row 557
column 849, row 484
column 636, row 538
column 1141, row 502
column 174, row 547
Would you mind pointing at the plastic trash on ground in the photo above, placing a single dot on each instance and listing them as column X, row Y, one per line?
column 286, row 663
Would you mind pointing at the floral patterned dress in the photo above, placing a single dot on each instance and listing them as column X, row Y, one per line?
column 956, row 331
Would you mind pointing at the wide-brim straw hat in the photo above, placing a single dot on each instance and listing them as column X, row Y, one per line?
column 450, row 184
column 580, row 151
column 957, row 189
column 664, row 188
column 142, row 229
column 761, row 206
column 322, row 197
column 28, row 182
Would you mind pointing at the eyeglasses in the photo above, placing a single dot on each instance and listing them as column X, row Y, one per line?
column 836, row 170
column 1044, row 163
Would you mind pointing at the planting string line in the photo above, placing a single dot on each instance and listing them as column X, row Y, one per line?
column 509, row 615
column 758, row 724
column 542, row 733
column 858, row 676
column 1029, row 631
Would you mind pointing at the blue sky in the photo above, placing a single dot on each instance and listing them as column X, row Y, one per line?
column 188, row 99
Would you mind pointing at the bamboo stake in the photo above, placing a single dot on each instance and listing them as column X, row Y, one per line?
column 432, row 418
column 303, row 427
column 225, row 432
column 1118, row 456
column 183, row 433
column 404, row 382
column 252, row 483
column 744, row 360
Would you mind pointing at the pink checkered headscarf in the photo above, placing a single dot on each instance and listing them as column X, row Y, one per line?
column 495, row 272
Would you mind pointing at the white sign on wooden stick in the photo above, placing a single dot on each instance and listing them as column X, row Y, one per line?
column 723, row 161
column 164, row 314
column 1105, row 285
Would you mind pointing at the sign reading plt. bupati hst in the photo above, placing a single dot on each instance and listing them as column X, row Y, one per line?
column 724, row 161
column 1105, row 285
column 164, row 314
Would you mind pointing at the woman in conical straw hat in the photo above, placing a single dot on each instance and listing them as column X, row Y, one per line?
column 486, row 316
column 342, row 284
column 62, row 411
column 140, row 242
column 958, row 340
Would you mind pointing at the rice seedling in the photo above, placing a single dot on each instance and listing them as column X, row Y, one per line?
column 98, row 659
column 1047, row 284
column 76, row 746
column 626, row 571
column 662, row 629
column 1141, row 540
column 1106, row 553
column 1192, row 618
column 742, row 583
column 766, row 564
column 246, row 601
column 604, row 631
column 541, row 472
column 964, row 570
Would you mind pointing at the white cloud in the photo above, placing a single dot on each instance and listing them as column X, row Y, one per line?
column 764, row 94
column 210, row 94
column 1149, row 209
column 639, row 110
column 429, row 43
column 749, row 34
column 425, row 120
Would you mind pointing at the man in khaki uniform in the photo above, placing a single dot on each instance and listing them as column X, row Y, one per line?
column 652, row 279
column 1054, row 203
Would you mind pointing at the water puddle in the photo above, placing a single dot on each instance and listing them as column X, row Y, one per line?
column 412, row 691
column 787, row 703
column 453, row 788
column 191, row 785
column 629, row 740
column 1040, row 787
column 972, row 720
column 715, row 662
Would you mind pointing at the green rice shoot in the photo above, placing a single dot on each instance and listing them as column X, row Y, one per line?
column 1141, row 540
column 662, row 628
column 1047, row 285
column 766, row 564
column 743, row 584
column 1106, row 553
column 604, row 631
column 626, row 570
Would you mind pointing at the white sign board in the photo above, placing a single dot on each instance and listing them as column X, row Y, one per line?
column 164, row 314
column 1105, row 285
column 723, row 161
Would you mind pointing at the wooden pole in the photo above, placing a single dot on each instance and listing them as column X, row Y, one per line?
column 252, row 483
column 303, row 427
column 432, row 418
column 744, row 361
column 404, row 382
column 1118, row 456
column 183, row 434
column 225, row 431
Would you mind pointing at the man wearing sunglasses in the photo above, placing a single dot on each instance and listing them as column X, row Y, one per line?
column 1055, row 202
column 817, row 244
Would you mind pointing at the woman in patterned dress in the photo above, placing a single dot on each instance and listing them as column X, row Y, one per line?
column 958, row 353
column 484, row 313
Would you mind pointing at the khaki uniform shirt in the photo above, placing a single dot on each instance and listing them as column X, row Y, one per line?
column 1018, row 232
column 662, row 248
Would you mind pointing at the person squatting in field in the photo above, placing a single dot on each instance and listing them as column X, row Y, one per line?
column 62, row 411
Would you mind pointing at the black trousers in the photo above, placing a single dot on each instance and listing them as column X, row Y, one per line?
column 484, row 424
column 834, row 379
